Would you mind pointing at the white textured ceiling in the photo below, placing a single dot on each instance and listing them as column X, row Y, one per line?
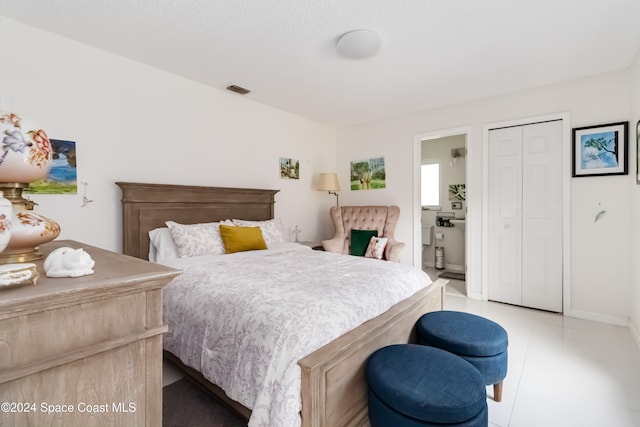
column 434, row 52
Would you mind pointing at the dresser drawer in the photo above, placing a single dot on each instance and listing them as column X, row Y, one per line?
column 27, row 339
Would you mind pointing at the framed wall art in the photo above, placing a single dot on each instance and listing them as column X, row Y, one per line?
column 63, row 176
column 457, row 192
column 600, row 150
column 289, row 168
column 368, row 174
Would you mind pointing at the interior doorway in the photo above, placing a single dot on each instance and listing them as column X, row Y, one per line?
column 442, row 208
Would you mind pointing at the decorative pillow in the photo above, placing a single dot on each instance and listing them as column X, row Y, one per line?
column 360, row 240
column 272, row 229
column 240, row 239
column 196, row 239
column 161, row 245
column 376, row 247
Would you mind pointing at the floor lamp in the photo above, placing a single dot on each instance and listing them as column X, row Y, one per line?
column 329, row 182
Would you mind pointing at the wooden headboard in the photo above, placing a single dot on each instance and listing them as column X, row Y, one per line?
column 148, row 206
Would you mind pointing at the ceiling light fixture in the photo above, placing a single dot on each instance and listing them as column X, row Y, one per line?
column 359, row 44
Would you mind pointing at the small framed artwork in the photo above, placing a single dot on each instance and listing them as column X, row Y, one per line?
column 289, row 168
column 457, row 192
column 638, row 152
column 600, row 150
column 456, row 205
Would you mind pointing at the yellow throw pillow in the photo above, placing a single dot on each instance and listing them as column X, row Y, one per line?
column 239, row 239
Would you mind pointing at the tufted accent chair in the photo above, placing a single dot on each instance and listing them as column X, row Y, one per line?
column 381, row 218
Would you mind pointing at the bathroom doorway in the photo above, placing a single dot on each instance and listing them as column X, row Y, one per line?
column 443, row 210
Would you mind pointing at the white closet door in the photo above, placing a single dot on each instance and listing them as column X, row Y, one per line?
column 505, row 215
column 525, row 215
column 542, row 216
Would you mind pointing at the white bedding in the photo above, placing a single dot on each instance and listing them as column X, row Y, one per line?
column 244, row 320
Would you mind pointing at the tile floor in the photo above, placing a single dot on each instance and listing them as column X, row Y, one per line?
column 562, row 371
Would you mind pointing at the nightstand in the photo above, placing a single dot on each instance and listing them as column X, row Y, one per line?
column 316, row 246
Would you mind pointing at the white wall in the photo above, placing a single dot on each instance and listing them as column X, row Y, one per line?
column 635, row 200
column 600, row 259
column 133, row 122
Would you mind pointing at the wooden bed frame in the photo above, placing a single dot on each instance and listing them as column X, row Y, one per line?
column 334, row 388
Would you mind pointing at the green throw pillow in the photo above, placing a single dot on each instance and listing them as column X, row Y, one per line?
column 360, row 240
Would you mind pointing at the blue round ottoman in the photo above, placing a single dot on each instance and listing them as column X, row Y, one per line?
column 413, row 385
column 480, row 341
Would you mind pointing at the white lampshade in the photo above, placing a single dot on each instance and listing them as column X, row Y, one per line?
column 358, row 44
column 328, row 182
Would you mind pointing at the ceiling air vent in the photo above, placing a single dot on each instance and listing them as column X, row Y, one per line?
column 238, row 89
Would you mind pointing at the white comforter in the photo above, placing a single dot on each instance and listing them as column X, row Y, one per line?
column 244, row 320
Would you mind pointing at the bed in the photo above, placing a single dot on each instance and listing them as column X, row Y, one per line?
column 332, row 383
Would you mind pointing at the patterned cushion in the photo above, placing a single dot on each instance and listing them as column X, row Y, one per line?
column 376, row 247
column 272, row 229
column 196, row 239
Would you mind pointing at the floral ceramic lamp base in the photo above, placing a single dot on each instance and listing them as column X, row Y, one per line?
column 25, row 156
column 28, row 229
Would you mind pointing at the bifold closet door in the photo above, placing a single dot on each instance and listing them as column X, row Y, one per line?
column 525, row 215
column 505, row 215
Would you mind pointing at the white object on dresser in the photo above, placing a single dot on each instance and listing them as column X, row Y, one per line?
column 18, row 274
column 68, row 262
column 93, row 343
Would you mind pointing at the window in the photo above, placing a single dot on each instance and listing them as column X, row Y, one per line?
column 430, row 184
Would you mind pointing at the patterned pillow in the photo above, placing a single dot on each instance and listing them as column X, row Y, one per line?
column 196, row 239
column 376, row 247
column 272, row 229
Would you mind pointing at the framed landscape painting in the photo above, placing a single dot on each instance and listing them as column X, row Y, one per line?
column 368, row 174
column 63, row 177
column 600, row 150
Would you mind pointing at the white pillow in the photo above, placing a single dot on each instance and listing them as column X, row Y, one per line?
column 196, row 239
column 376, row 247
column 272, row 229
column 161, row 245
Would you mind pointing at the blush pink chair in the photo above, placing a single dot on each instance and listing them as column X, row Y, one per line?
column 380, row 218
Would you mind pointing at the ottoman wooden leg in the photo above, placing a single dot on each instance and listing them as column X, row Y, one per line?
column 497, row 392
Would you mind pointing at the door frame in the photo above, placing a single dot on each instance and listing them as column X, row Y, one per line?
column 472, row 262
column 566, row 199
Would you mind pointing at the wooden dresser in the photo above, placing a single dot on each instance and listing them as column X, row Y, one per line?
column 84, row 351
